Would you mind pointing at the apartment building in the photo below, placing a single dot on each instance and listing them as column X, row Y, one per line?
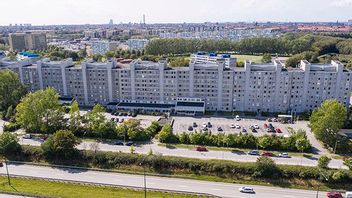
column 210, row 83
column 102, row 47
column 27, row 41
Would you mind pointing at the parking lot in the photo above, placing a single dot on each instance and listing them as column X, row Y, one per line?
column 228, row 125
column 145, row 120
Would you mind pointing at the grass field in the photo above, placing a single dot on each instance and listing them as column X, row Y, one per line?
column 67, row 190
column 253, row 58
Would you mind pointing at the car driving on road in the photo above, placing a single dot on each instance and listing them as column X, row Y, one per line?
column 246, row 189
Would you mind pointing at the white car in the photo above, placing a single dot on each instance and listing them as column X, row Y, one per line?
column 238, row 126
column 232, row 126
column 284, row 155
column 246, row 190
column 238, row 118
column 256, row 126
column 204, row 125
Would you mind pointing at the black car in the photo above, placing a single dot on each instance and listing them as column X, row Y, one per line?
column 220, row 129
column 254, row 130
column 195, row 124
column 129, row 114
column 253, row 152
column 209, row 125
column 118, row 142
column 244, row 130
column 120, row 114
column 134, row 114
column 112, row 119
column 129, row 143
column 117, row 119
column 190, row 128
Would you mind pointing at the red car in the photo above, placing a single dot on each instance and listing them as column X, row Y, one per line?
column 334, row 195
column 278, row 130
column 265, row 126
column 201, row 149
column 267, row 153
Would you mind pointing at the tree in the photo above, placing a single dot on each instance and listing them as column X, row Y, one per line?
column 9, row 144
column 75, row 117
column 266, row 167
column 40, row 111
column 61, row 145
column 302, row 144
column 266, row 58
column 96, row 120
column 323, row 161
column 348, row 163
column 166, row 135
column 10, row 113
column 11, row 89
column 327, row 120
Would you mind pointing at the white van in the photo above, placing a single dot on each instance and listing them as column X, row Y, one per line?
column 348, row 194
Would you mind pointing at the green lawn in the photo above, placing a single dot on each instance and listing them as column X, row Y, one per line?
column 253, row 58
column 63, row 190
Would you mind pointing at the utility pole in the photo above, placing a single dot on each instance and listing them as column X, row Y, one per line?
column 7, row 172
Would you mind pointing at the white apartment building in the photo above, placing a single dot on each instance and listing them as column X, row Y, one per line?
column 210, row 83
column 102, row 47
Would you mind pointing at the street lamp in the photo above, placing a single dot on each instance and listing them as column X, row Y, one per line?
column 326, row 179
column 144, row 176
column 7, row 172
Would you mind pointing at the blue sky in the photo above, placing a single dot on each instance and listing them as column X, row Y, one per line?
column 42, row 12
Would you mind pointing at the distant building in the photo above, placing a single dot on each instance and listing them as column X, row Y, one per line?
column 350, row 22
column 27, row 41
column 137, row 44
column 111, row 22
column 101, row 47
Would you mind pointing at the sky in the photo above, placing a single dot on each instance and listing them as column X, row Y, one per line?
column 47, row 12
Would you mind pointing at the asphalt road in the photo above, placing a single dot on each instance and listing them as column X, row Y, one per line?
column 211, row 154
column 215, row 188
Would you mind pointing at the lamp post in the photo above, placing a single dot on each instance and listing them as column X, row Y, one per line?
column 144, row 177
column 7, row 172
column 326, row 179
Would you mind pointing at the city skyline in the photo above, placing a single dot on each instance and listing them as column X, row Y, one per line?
column 196, row 11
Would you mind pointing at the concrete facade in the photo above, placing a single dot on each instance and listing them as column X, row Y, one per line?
column 216, row 81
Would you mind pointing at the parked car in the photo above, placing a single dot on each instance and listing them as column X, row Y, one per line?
column 246, row 190
column 265, row 126
column 284, row 155
column 129, row 114
column 267, row 153
column 118, row 142
column 27, row 136
column 205, row 129
column 270, row 126
column 117, row 120
column 204, row 125
column 129, row 143
column 209, row 125
column 256, row 126
column 195, row 125
column 270, row 130
column 244, row 130
column 269, row 120
column 278, row 130
column 120, row 114
column 254, row 130
column 348, row 195
column 220, row 129
column 1, row 164
column 134, row 114
column 253, row 152
column 334, row 195
column 237, row 118
column 274, row 119
column 190, row 128
column 238, row 126
column 201, row 148
column 112, row 119
column 232, row 126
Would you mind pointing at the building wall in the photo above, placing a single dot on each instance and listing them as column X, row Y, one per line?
column 256, row 88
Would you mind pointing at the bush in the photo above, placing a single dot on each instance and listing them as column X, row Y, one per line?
column 61, row 145
column 323, row 161
column 11, row 127
column 266, row 167
column 9, row 144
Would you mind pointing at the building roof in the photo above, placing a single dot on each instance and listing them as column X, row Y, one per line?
column 147, row 105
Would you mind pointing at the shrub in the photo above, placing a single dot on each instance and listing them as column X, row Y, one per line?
column 266, row 167
column 323, row 161
column 11, row 127
column 9, row 144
